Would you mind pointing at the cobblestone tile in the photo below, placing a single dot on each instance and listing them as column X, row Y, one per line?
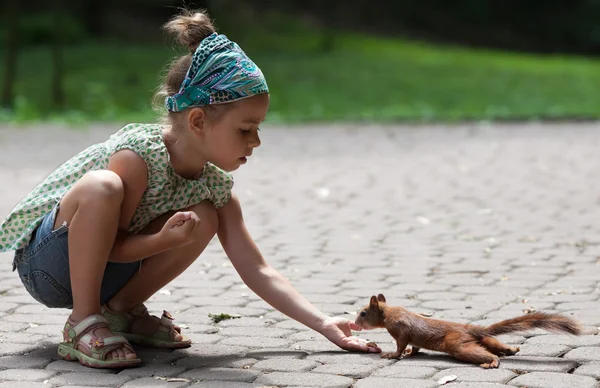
column 542, row 350
column 22, row 384
column 553, row 380
column 589, row 369
column 90, row 379
column 285, row 365
column 73, row 366
column 26, row 374
column 350, row 370
column 25, row 362
column 154, row 383
column 306, row 379
column 584, row 354
column 569, row 340
column 382, row 382
column 537, row 364
column 406, row 372
column 477, row 373
column 153, row 370
column 223, row 374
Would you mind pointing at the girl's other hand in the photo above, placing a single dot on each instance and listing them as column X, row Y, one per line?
column 180, row 229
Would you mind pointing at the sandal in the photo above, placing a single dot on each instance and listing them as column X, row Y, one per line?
column 121, row 323
column 81, row 344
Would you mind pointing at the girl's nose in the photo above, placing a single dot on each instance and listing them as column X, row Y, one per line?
column 254, row 140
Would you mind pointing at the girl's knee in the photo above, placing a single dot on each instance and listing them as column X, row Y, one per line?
column 104, row 184
column 209, row 220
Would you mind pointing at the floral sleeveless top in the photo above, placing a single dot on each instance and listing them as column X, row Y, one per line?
column 166, row 190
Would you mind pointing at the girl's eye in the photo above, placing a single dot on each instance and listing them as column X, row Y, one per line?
column 363, row 314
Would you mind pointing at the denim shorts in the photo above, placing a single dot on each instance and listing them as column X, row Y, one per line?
column 43, row 267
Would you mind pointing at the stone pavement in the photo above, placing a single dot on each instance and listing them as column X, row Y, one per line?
column 467, row 223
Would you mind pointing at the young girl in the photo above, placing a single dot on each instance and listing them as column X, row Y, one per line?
column 120, row 220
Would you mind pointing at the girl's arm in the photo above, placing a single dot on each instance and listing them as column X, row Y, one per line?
column 275, row 289
column 133, row 171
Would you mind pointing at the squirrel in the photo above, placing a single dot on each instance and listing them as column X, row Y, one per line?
column 465, row 342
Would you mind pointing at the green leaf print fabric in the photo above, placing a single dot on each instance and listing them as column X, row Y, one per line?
column 166, row 190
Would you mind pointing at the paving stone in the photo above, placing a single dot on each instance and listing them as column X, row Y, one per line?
column 285, row 365
column 22, row 384
column 349, row 358
column 350, row 370
column 90, row 378
column 257, row 342
column 553, row 380
column 25, row 362
column 477, row 384
column 13, row 349
column 589, row 369
column 537, row 364
column 13, row 327
column 542, row 350
column 569, row 340
column 26, row 374
column 276, row 353
column 476, row 373
column 21, row 338
column 584, row 354
column 257, row 332
column 407, row 372
column 314, row 346
column 517, row 239
column 382, row 382
column 225, row 384
column 224, row 374
column 198, row 339
column 157, row 356
column 153, row 370
column 154, row 382
column 74, row 366
column 435, row 361
column 306, row 379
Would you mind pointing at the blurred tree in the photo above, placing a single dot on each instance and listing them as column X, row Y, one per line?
column 56, row 86
column 11, row 51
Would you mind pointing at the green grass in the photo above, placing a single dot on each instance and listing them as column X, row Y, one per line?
column 363, row 78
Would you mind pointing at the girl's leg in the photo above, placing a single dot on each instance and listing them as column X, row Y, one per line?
column 91, row 209
column 157, row 271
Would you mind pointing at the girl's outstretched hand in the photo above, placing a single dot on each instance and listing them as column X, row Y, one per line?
column 339, row 331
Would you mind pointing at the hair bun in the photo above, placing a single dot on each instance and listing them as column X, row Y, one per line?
column 190, row 27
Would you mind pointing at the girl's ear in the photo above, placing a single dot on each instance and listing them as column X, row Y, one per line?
column 197, row 121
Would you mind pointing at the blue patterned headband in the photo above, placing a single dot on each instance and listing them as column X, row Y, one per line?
column 220, row 72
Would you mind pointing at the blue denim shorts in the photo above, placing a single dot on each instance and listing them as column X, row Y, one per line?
column 43, row 267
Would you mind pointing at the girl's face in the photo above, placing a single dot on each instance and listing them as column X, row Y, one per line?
column 229, row 141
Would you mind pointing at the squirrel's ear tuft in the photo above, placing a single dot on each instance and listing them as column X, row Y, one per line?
column 373, row 302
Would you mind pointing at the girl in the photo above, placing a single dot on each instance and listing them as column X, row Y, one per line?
column 121, row 219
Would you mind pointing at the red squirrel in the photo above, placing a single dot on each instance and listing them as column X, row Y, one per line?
column 465, row 342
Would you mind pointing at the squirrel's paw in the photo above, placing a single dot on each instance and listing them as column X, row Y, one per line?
column 391, row 355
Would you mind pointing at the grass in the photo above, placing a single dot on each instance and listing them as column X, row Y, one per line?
column 362, row 79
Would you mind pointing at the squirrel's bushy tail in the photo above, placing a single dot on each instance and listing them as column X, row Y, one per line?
column 538, row 320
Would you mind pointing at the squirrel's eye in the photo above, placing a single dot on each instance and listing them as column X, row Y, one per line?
column 362, row 314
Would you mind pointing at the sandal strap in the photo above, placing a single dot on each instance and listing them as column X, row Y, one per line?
column 74, row 333
column 98, row 348
column 166, row 320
